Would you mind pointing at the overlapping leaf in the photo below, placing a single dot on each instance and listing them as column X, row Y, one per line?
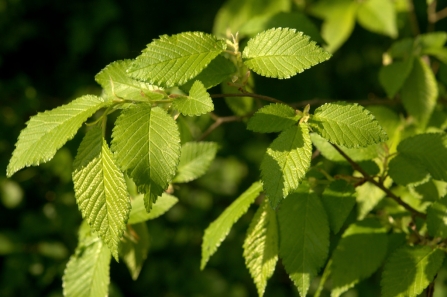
column 117, row 83
column 282, row 53
column 304, row 236
column 146, row 143
column 138, row 214
column 272, row 118
column 195, row 159
column 261, row 246
column 134, row 248
column 420, row 92
column 100, row 189
column 378, row 16
column 48, row 131
column 405, row 171
column 349, row 125
column 437, row 218
column 359, row 253
column 173, row 60
column 219, row 229
column 286, row 162
column 197, row 103
column 410, row 270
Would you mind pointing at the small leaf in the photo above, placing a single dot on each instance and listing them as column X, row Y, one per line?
column 349, row 125
column 393, row 76
column 195, row 159
column 272, row 118
column 117, row 83
column 359, row 253
column 173, row 60
column 304, row 236
column 420, row 92
column 338, row 200
column 429, row 150
column 219, row 229
column 87, row 271
column 405, row 171
column 48, row 131
column 286, row 162
column 138, row 214
column 261, row 246
column 197, row 103
column 410, row 270
column 100, row 189
column 134, row 248
column 282, row 53
column 378, row 16
column 146, row 143
column 437, row 218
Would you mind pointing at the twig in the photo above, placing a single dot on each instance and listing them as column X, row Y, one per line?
column 370, row 179
column 413, row 19
column 247, row 94
column 217, row 122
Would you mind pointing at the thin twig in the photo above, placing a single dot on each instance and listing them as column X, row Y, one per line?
column 369, row 178
column 247, row 94
column 217, row 122
column 413, row 19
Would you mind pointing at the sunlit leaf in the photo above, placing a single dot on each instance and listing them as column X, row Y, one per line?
column 198, row 101
column 272, row 118
column 138, row 214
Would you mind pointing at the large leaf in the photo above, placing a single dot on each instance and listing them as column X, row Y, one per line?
column 437, row 218
column 197, row 103
column 272, row 118
column 173, row 60
column 48, row 131
column 378, row 16
column 349, row 125
column 405, row 171
column 282, row 53
column 393, row 76
column 359, row 253
column 261, row 246
column 219, row 229
column 195, row 159
column 100, row 188
column 134, row 248
column 117, row 83
column 146, row 143
column 420, row 92
column 410, row 270
column 286, row 162
column 87, row 271
column 429, row 150
column 304, row 236
column 138, row 214
column 338, row 200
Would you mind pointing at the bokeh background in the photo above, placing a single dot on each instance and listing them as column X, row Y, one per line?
column 50, row 52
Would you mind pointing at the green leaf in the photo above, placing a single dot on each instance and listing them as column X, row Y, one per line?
column 368, row 196
column 393, row 76
column 134, row 248
column 405, row 171
column 429, row 150
column 219, row 229
column 378, row 16
column 195, row 159
column 349, row 125
column 356, row 154
column 100, row 189
column 437, row 218
column 410, row 270
column 420, row 92
column 146, row 143
column 117, row 83
column 217, row 71
column 48, row 131
column 273, row 118
column 338, row 200
column 286, row 162
column 359, row 253
column 173, row 60
column 261, row 246
column 431, row 41
column 197, row 103
column 403, row 48
column 87, row 271
column 282, row 53
column 235, row 13
column 304, row 236
column 138, row 214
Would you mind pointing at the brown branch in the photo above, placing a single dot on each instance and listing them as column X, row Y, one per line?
column 387, row 191
column 217, row 122
column 413, row 19
column 247, row 94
